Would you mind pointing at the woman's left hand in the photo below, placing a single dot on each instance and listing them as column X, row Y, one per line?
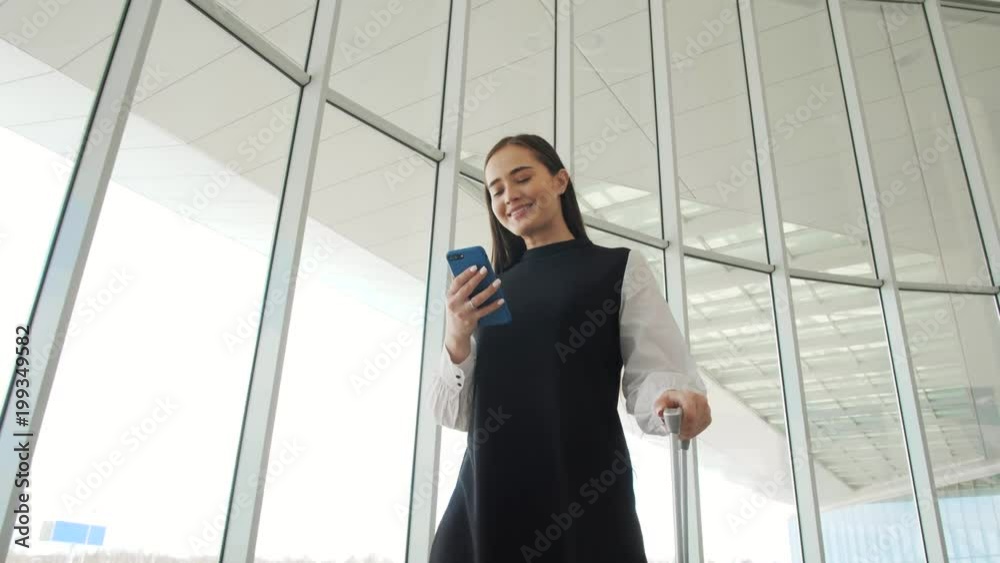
column 697, row 415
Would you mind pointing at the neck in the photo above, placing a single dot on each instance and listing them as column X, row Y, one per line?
column 542, row 238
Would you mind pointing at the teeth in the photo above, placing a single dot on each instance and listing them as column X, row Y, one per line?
column 519, row 209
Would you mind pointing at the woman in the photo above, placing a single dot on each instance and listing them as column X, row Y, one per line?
column 547, row 474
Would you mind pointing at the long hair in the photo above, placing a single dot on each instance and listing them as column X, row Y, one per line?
column 508, row 247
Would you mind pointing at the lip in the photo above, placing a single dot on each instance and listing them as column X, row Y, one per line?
column 511, row 214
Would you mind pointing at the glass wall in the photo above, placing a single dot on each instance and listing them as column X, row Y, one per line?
column 143, row 421
column 348, row 400
column 389, row 57
column 747, row 501
column 974, row 38
column 50, row 70
column 953, row 339
column 615, row 165
column 716, row 163
column 824, row 218
column 921, row 181
column 148, row 409
column 856, row 436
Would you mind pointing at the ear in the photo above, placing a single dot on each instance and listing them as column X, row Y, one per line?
column 562, row 181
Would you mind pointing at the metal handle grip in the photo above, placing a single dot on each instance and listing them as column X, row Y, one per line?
column 678, row 465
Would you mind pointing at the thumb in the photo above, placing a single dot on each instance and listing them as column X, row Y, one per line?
column 668, row 400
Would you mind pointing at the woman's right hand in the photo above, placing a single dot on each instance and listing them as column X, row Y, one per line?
column 463, row 317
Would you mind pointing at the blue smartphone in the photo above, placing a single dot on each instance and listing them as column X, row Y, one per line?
column 462, row 259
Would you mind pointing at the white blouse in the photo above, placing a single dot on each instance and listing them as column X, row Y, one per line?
column 654, row 354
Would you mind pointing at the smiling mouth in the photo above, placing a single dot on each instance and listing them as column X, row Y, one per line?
column 521, row 211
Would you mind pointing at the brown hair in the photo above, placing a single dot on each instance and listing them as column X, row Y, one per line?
column 508, row 247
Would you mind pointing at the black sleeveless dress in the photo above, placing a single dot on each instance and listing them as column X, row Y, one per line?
column 547, row 475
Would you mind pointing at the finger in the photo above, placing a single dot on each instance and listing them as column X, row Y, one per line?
column 665, row 401
column 470, row 284
column 483, row 311
column 461, row 279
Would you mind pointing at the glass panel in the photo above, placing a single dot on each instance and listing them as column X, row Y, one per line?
column 716, row 163
column 144, row 418
column 856, row 438
column 747, row 499
column 51, row 64
column 351, row 372
column 817, row 179
column 390, row 58
column 286, row 25
column 974, row 38
column 953, row 340
column 615, row 164
column 510, row 75
column 472, row 228
column 921, row 181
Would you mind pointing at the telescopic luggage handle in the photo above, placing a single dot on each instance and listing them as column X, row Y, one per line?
column 678, row 464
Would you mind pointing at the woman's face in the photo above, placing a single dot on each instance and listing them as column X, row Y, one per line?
column 524, row 195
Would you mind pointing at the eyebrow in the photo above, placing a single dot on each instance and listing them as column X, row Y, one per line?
column 512, row 172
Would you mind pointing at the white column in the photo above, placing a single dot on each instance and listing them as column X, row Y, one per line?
column 796, row 421
column 423, row 492
column 564, row 114
column 240, row 536
column 902, row 364
column 670, row 213
column 68, row 254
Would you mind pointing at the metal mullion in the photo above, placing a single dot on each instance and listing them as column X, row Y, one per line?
column 793, row 389
column 835, row 278
column 247, row 494
column 564, row 85
column 254, row 40
column 947, row 288
column 74, row 234
column 383, row 125
column 671, row 223
column 904, row 374
column 427, row 446
column 727, row 260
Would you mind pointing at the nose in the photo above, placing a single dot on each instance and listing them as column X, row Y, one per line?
column 512, row 196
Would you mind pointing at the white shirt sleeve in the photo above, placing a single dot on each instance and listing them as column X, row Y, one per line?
column 451, row 391
column 654, row 352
